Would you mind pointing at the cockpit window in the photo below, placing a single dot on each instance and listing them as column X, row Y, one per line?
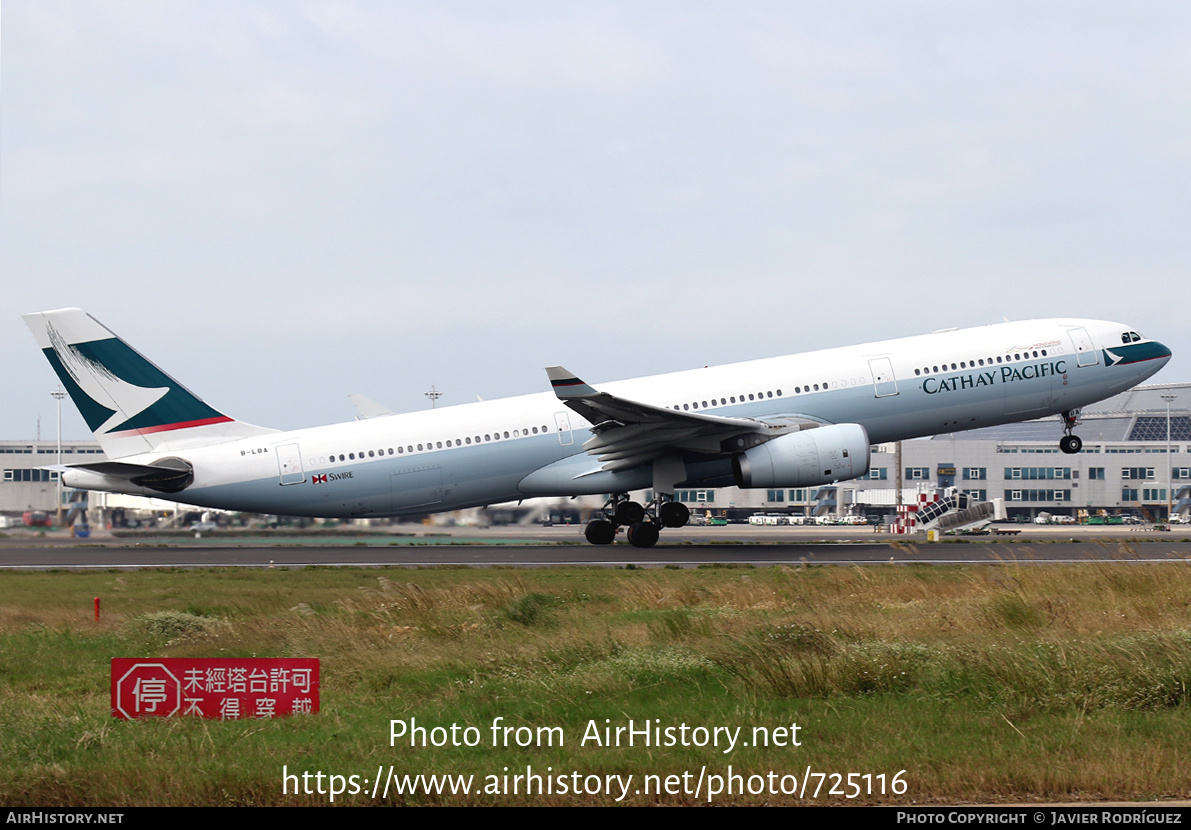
column 1130, row 337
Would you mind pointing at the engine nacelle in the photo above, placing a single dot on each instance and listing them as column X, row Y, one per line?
column 805, row 459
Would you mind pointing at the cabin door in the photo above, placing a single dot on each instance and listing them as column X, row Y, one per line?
column 289, row 464
column 884, row 383
column 1086, row 353
column 563, row 422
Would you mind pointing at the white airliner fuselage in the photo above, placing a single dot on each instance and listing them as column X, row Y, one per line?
column 799, row 420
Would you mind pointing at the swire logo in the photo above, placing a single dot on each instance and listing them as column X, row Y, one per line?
column 326, row 478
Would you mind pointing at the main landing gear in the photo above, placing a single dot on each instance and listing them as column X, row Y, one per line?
column 1070, row 442
column 644, row 523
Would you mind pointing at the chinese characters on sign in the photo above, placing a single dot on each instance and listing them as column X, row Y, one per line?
column 226, row 689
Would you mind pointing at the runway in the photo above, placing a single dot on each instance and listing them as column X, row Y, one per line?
column 559, row 546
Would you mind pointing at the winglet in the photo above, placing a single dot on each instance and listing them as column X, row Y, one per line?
column 566, row 385
column 369, row 408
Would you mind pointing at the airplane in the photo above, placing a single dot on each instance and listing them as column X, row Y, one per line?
column 803, row 420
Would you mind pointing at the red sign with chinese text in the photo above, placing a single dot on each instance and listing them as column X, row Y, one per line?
column 224, row 689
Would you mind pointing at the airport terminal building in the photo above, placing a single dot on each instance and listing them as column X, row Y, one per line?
column 26, row 487
column 1127, row 466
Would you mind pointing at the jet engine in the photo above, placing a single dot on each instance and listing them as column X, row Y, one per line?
column 805, row 459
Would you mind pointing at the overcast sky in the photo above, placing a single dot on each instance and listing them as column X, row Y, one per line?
column 282, row 203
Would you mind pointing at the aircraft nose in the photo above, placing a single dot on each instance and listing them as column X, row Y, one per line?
column 1155, row 356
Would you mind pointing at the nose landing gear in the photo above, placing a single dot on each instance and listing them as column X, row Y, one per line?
column 1070, row 443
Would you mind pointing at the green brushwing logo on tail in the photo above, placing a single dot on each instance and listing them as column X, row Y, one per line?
column 117, row 390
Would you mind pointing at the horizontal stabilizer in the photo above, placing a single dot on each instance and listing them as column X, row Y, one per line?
column 169, row 475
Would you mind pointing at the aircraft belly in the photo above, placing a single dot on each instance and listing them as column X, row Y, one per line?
column 471, row 476
column 256, row 496
column 581, row 475
column 341, row 492
column 939, row 403
column 452, row 480
column 415, row 487
column 1033, row 403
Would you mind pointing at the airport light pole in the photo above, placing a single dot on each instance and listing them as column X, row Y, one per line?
column 1169, row 471
column 433, row 395
column 58, row 394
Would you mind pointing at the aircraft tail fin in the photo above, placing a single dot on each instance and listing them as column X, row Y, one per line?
column 131, row 405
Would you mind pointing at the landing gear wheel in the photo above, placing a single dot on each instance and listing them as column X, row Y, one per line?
column 643, row 534
column 600, row 532
column 1071, row 444
column 629, row 513
column 674, row 514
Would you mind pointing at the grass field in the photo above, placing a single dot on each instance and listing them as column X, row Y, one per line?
column 940, row 684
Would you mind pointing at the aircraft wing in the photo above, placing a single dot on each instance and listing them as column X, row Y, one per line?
column 628, row 433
